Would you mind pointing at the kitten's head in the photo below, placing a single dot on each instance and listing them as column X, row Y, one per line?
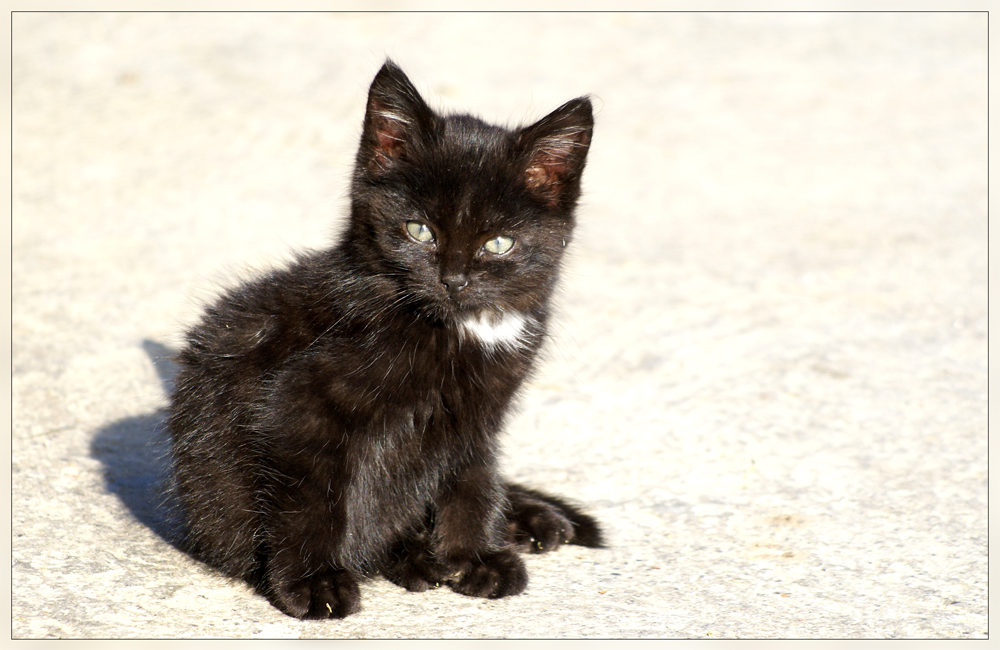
column 457, row 216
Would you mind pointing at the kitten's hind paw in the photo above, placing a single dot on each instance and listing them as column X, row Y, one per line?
column 494, row 575
column 541, row 529
column 329, row 594
column 539, row 523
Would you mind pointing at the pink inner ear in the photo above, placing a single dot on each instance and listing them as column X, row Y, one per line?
column 390, row 137
column 389, row 129
column 535, row 177
column 546, row 170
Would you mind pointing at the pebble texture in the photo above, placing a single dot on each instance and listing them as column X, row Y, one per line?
column 768, row 374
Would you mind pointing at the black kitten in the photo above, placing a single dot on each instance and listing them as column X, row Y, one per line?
column 339, row 418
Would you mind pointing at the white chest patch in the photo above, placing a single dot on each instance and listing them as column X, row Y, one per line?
column 493, row 329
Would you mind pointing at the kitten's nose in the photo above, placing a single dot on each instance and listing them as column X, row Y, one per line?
column 454, row 282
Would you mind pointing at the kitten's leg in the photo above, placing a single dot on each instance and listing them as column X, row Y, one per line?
column 469, row 538
column 304, row 536
column 539, row 522
column 302, row 580
column 304, row 495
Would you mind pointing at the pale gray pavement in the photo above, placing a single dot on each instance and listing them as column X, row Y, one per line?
column 768, row 375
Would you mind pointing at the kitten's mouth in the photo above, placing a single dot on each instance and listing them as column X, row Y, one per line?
column 452, row 309
column 460, row 305
column 456, row 311
column 485, row 315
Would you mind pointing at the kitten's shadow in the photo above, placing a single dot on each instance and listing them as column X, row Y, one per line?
column 135, row 455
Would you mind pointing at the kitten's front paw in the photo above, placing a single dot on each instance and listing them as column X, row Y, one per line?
column 493, row 575
column 329, row 594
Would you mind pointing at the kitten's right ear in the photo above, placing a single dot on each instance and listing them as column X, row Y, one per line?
column 396, row 121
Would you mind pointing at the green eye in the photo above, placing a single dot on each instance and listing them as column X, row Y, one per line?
column 419, row 231
column 498, row 245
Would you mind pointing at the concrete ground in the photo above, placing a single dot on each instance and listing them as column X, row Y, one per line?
column 768, row 377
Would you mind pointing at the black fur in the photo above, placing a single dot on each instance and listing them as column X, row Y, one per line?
column 339, row 418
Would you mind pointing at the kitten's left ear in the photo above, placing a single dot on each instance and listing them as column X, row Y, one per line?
column 555, row 152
